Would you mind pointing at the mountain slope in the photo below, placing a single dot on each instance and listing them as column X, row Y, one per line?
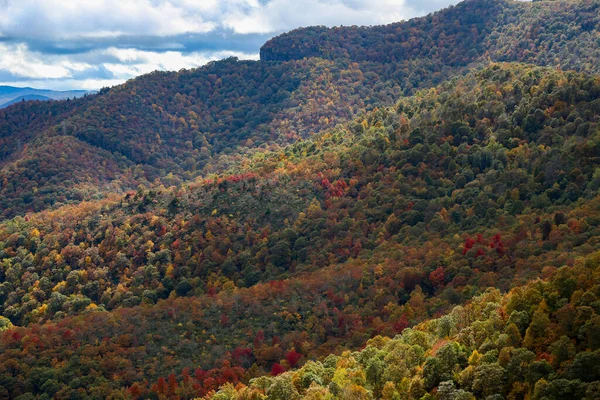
column 168, row 123
column 193, row 122
column 489, row 180
column 559, row 33
column 73, row 171
column 538, row 341
column 272, row 218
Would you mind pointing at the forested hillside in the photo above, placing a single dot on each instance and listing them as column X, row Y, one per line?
column 539, row 341
column 559, row 33
column 292, row 254
column 366, row 213
column 171, row 127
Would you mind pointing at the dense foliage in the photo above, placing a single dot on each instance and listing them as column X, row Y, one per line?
column 169, row 127
column 292, row 254
column 559, row 33
column 540, row 341
column 243, row 230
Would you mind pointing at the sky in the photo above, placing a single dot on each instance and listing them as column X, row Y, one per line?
column 90, row 44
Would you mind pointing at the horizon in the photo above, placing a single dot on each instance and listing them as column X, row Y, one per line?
column 41, row 89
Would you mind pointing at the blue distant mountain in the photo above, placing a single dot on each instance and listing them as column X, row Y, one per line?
column 26, row 97
column 11, row 95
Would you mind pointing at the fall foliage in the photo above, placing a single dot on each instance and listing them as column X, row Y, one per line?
column 365, row 213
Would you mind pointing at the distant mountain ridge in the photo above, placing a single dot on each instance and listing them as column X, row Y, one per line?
column 27, row 97
column 10, row 95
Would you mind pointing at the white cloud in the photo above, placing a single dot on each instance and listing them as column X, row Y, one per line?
column 100, row 18
column 280, row 15
column 112, row 18
column 18, row 61
column 64, row 72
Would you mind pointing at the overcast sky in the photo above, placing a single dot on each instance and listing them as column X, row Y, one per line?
column 88, row 44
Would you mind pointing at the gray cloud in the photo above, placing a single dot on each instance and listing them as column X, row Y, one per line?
column 216, row 40
column 64, row 44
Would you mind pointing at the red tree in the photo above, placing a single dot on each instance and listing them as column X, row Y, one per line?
column 277, row 369
column 293, row 357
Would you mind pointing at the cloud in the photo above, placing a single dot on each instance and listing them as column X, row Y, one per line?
column 70, row 26
column 68, row 19
column 278, row 15
column 16, row 60
column 84, row 43
column 132, row 62
column 19, row 66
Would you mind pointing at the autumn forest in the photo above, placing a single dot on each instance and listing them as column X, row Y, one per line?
column 405, row 211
